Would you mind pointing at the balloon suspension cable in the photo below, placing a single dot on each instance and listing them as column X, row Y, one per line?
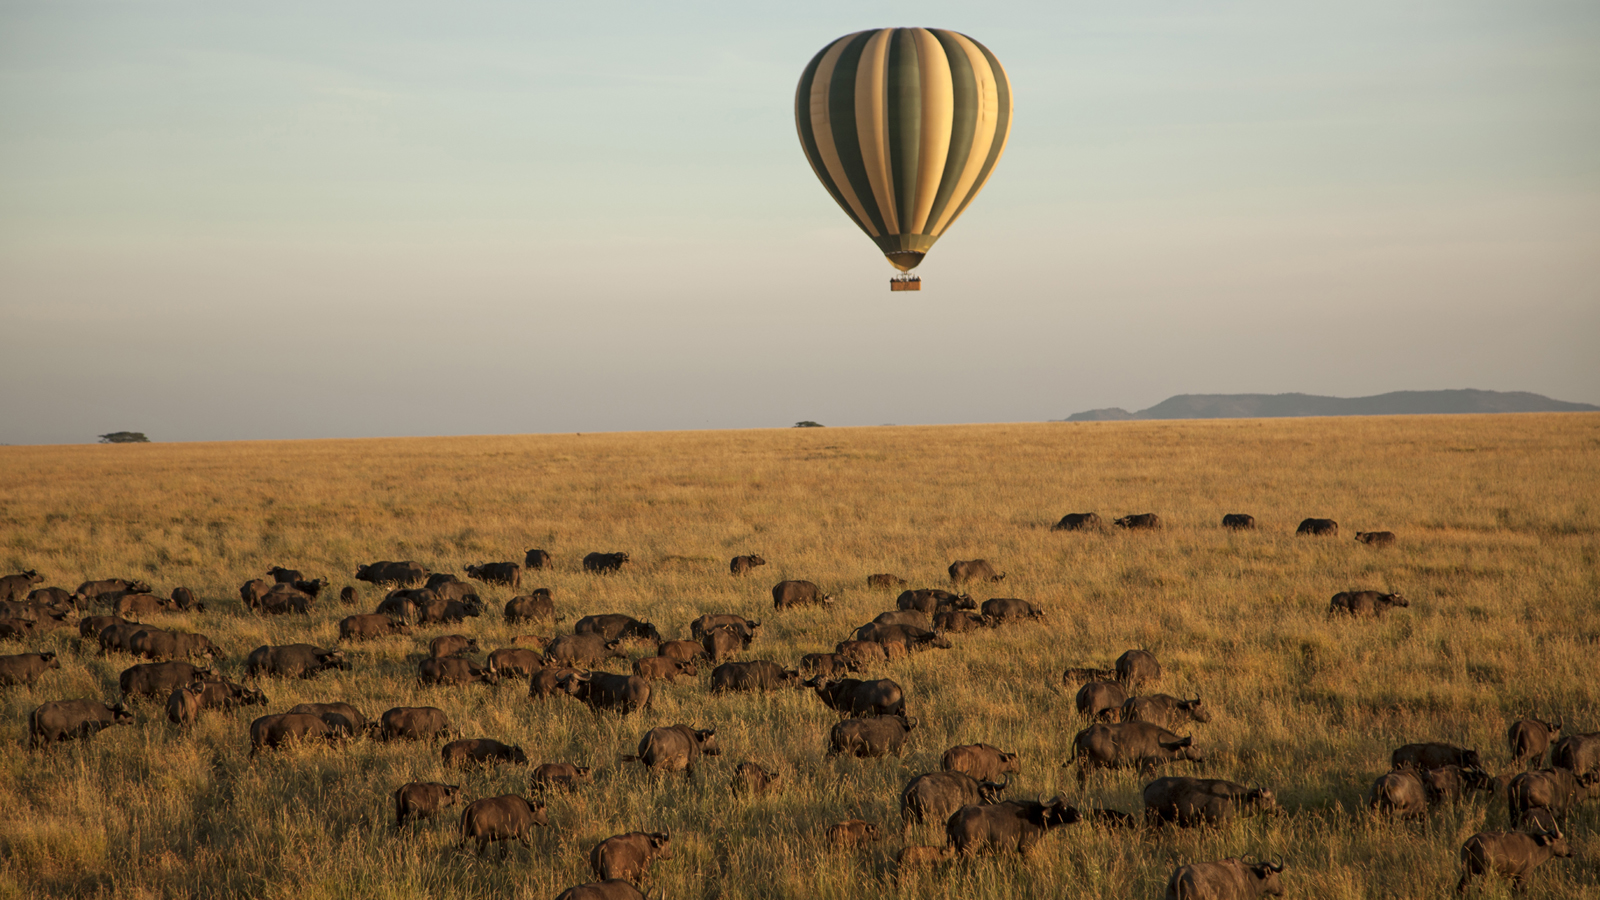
column 905, row 281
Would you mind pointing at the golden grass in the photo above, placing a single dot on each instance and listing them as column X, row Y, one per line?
column 1498, row 526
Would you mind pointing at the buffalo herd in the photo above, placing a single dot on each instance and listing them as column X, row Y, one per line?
column 1125, row 727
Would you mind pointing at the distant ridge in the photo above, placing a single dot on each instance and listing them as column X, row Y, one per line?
column 1395, row 403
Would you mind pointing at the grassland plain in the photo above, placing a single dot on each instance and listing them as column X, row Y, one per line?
column 1499, row 552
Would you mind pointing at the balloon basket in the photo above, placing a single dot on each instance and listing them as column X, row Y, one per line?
column 905, row 282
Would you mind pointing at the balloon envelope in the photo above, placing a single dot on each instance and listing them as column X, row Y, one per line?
column 903, row 127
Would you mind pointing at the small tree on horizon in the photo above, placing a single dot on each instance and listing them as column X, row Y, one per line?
column 808, row 424
column 124, row 437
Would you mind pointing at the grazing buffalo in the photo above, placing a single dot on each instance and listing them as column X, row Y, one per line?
column 25, row 668
column 1511, row 854
column 293, row 660
column 1453, row 782
column 275, row 731
column 628, row 856
column 912, row 617
column 1557, row 790
column 184, row 705
column 854, row 697
column 284, row 599
column 981, row 761
column 98, row 590
column 455, row 590
column 17, row 629
column 1318, row 526
column 675, row 748
column 703, row 625
column 16, row 587
column 133, row 606
column 386, row 572
column 1101, row 699
column 343, row 718
column 786, row 594
column 1239, row 521
column 722, row 642
column 451, row 670
column 251, row 592
column 1365, row 604
column 682, row 651
column 1529, row 739
column 965, row 570
column 852, row 833
column 1577, row 753
column 615, row 626
column 515, row 661
column 903, row 638
column 560, row 776
column 508, row 574
column 536, row 559
column 857, row 655
column 742, row 564
column 58, row 599
column 1145, row 521
column 604, row 562
column 535, row 607
column 602, row 890
column 886, row 580
column 348, row 596
column 285, row 576
column 1077, row 522
column 1432, row 755
column 217, row 693
column 957, row 621
column 503, row 818
column 449, row 612
column 480, row 752
column 756, row 675
column 870, row 737
column 602, row 690
column 73, row 720
column 752, row 778
column 1401, row 792
column 935, row 796
column 999, row 610
column 1083, row 675
column 1013, row 825
column 815, row 665
column 451, row 645
column 413, row 723
column 368, row 626
column 546, row 681
column 1164, row 710
column 1376, row 538
column 1128, row 744
column 587, row 650
column 1233, row 878
column 1138, row 666
column 933, row 600
column 423, row 800
column 153, row 643
column 1189, row 802
column 156, row 680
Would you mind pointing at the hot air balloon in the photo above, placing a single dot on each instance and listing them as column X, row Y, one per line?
column 903, row 126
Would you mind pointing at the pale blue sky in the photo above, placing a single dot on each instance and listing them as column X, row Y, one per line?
column 317, row 220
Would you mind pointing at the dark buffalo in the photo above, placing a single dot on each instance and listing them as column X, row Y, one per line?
column 746, row 628
column 285, row 599
column 1365, row 604
column 586, row 650
column 92, row 626
column 285, row 576
column 413, row 723
column 515, row 661
column 217, row 693
column 1557, row 790
column 73, row 720
column 293, row 660
column 870, row 737
column 1453, row 782
column 604, row 562
column 933, row 600
column 1077, row 522
column 965, row 570
column 935, row 796
column 601, row 690
column 999, row 610
column 158, row 680
column 508, row 574
column 1013, row 825
column 536, row 559
column 742, row 564
column 503, row 818
column 1318, row 526
column 18, row 629
column 1101, row 699
column 615, row 626
column 25, row 668
column 370, row 625
column 153, row 643
column 675, row 748
column 99, row 590
column 662, row 668
column 451, row 670
column 756, row 675
column 903, row 638
column 1139, row 521
column 1226, row 879
column 480, row 752
column 343, row 718
column 787, row 594
column 1529, row 739
column 1432, row 755
column 602, row 890
column 957, row 621
column 1138, row 666
column 858, row 655
column 16, row 587
column 722, row 642
column 560, row 776
column 1239, row 521
column 275, row 731
column 449, row 612
column 852, row 833
column 184, row 705
column 312, row 588
column 815, row 665
column 1577, row 753
column 682, row 651
column 348, row 596
column 535, row 607
column 1511, row 854
column 251, row 592
column 1164, row 710
column 451, row 645
column 912, row 617
column 854, row 697
column 1376, row 538
column 628, row 856
column 885, row 580
column 1401, row 792
column 423, row 800
column 751, row 778
column 546, row 681
column 387, row 572
column 1126, row 745
column 455, row 590
column 1189, row 802
column 981, row 761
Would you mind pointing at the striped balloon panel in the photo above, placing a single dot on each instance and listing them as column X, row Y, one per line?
column 903, row 126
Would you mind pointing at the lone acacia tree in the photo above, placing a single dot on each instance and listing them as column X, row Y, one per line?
column 124, row 437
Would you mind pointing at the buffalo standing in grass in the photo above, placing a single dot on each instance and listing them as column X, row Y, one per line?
column 386, row 572
column 1434, row 754
column 964, row 570
column 158, row 680
column 560, row 776
column 1529, row 739
column 453, row 671
column 504, row 818
column 604, row 563
column 413, row 723
column 73, row 720
column 914, row 618
column 1013, row 825
column 1139, row 522
column 98, row 590
column 1401, row 792
column 885, row 580
column 999, row 610
column 901, row 640
column 1128, row 744
column 1376, row 538
column 535, row 607
column 756, row 675
column 788, row 594
column 515, row 661
column 1190, row 802
column 1239, row 521
column 423, row 800
column 184, row 705
column 602, row 690
column 586, row 650
column 508, row 574
column 1137, row 667
column 826, row 665
column 854, row 697
column 1165, row 710
column 981, row 761
column 1365, row 604
column 25, row 668
column 536, row 559
column 368, row 626
column 745, row 628
column 135, row 606
column 16, row 587
column 1557, row 790
column 275, row 731
column 470, row 752
column 153, row 643
column 1233, row 878
column 1077, row 522
column 1577, row 753
column 1101, row 699
column 1509, row 854
column 934, row 600
column 852, row 833
column 935, row 796
column 675, row 748
column 742, row 564
column 752, row 778
column 546, row 682
column 628, row 856
column 870, row 737
column 225, row 695
column 957, row 621
column 451, row 645
column 722, row 642
column 615, row 626
column 293, row 661
column 1326, row 527
column 341, row 717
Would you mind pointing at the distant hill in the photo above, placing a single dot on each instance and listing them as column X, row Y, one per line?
column 1397, row 403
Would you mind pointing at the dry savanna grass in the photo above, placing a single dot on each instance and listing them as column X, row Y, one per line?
column 1497, row 520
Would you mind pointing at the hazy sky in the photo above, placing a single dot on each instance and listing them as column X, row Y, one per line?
column 223, row 221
